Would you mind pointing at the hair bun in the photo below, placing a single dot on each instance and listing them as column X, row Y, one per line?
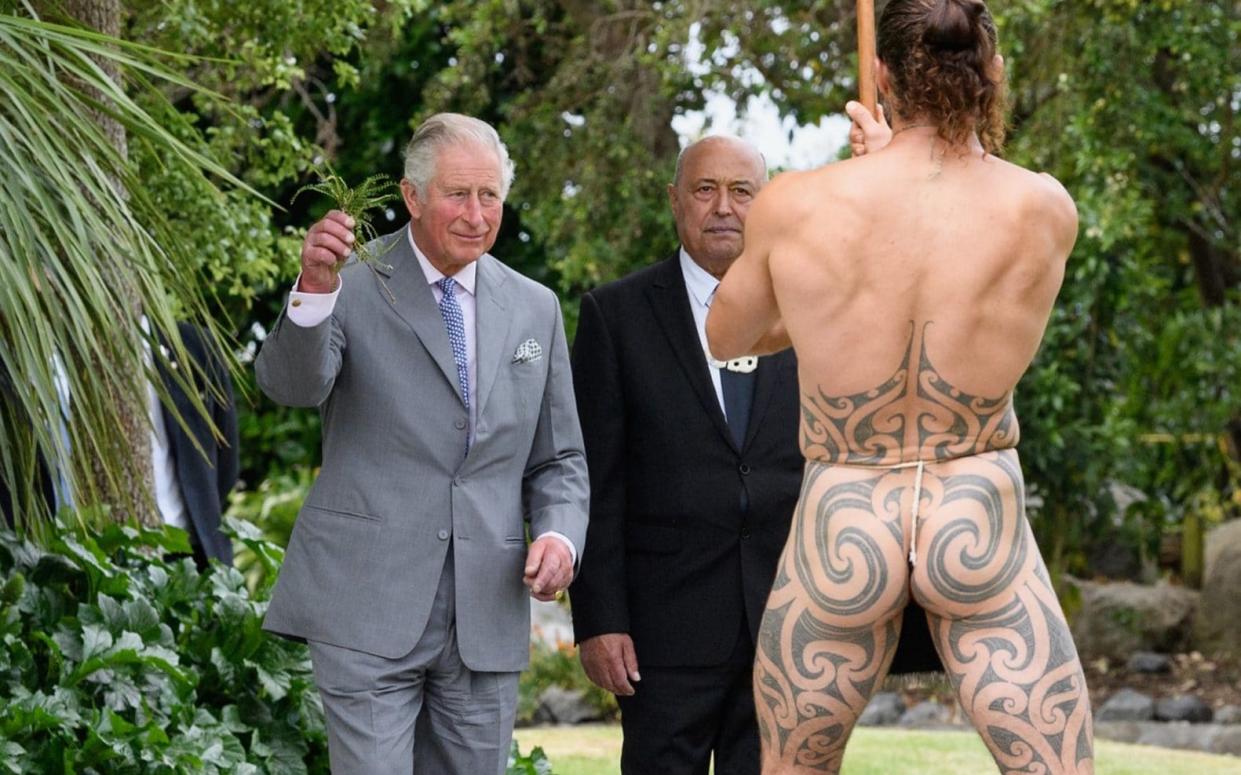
column 953, row 24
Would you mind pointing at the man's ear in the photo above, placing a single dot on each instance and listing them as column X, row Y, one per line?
column 883, row 77
column 996, row 71
column 410, row 195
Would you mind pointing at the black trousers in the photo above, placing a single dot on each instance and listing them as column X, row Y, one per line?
column 679, row 716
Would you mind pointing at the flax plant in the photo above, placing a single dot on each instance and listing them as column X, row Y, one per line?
column 80, row 243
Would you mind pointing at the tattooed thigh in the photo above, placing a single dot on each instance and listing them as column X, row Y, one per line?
column 833, row 617
column 996, row 620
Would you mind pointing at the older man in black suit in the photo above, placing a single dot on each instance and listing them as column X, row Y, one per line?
column 695, row 470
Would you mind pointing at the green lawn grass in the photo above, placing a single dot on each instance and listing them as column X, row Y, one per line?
column 595, row 750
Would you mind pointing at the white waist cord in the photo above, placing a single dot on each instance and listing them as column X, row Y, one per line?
column 913, row 526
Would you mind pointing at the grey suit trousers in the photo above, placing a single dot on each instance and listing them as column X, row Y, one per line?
column 373, row 704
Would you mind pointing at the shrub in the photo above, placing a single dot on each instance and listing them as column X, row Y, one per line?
column 120, row 657
column 273, row 507
column 534, row 764
column 557, row 666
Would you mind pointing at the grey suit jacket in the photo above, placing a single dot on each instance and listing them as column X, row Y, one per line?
column 394, row 493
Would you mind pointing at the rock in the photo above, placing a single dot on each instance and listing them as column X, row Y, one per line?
column 1149, row 662
column 925, row 714
column 1115, row 620
column 884, row 709
column 1183, row 707
column 1212, row 738
column 1118, row 560
column 1226, row 740
column 1229, row 714
column 564, row 706
column 1219, row 620
column 1115, row 560
column 1127, row 705
column 1184, row 736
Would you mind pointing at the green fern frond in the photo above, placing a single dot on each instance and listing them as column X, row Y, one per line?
column 357, row 202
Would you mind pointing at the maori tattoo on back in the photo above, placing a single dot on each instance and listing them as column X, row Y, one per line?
column 876, row 427
column 834, row 615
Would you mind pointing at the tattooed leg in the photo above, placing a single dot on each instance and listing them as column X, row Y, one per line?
column 996, row 621
column 834, row 615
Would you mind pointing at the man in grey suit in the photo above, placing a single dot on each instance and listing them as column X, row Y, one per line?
column 448, row 422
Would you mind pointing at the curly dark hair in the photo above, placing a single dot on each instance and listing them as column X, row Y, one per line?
column 939, row 54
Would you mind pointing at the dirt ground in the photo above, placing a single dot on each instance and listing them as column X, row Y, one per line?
column 1216, row 680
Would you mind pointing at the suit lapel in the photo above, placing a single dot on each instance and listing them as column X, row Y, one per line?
column 670, row 303
column 491, row 297
column 415, row 304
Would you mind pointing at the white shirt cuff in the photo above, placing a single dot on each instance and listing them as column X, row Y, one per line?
column 565, row 540
column 310, row 309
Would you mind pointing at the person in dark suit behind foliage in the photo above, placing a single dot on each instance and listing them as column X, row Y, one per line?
column 192, row 490
column 695, row 471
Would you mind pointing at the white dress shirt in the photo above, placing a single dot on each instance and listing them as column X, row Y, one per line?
column 310, row 309
column 701, row 286
column 168, row 497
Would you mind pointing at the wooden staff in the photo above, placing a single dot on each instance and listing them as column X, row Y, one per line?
column 868, row 95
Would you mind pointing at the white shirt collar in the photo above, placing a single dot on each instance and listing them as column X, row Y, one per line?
column 466, row 277
column 698, row 281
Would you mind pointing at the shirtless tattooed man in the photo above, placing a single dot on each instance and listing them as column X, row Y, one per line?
column 914, row 282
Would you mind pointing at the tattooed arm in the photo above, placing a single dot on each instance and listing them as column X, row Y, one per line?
column 744, row 317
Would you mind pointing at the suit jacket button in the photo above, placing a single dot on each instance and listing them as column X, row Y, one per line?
column 744, row 468
column 745, row 532
column 443, row 534
column 459, row 425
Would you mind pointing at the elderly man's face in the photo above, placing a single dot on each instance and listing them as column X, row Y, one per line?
column 719, row 179
column 457, row 218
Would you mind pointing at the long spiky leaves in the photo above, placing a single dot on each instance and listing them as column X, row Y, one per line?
column 73, row 218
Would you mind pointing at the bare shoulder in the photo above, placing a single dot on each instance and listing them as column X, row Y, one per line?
column 1048, row 195
column 1051, row 194
column 1056, row 204
column 792, row 196
column 1045, row 201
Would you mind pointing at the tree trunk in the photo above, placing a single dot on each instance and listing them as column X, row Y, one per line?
column 123, row 477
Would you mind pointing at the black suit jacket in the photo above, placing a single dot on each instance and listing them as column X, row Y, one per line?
column 671, row 557
column 12, row 419
column 205, row 481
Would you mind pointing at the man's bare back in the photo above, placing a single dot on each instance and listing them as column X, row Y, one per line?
column 876, row 264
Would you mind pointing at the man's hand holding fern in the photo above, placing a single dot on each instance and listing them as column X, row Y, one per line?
column 328, row 243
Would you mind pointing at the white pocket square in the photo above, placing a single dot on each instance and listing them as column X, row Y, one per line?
column 528, row 352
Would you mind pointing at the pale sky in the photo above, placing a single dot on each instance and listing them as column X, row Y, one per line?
column 812, row 145
column 784, row 143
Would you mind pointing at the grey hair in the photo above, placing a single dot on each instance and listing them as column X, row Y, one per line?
column 445, row 129
column 680, row 168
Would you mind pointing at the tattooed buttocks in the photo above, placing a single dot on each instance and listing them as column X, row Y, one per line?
column 834, row 615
